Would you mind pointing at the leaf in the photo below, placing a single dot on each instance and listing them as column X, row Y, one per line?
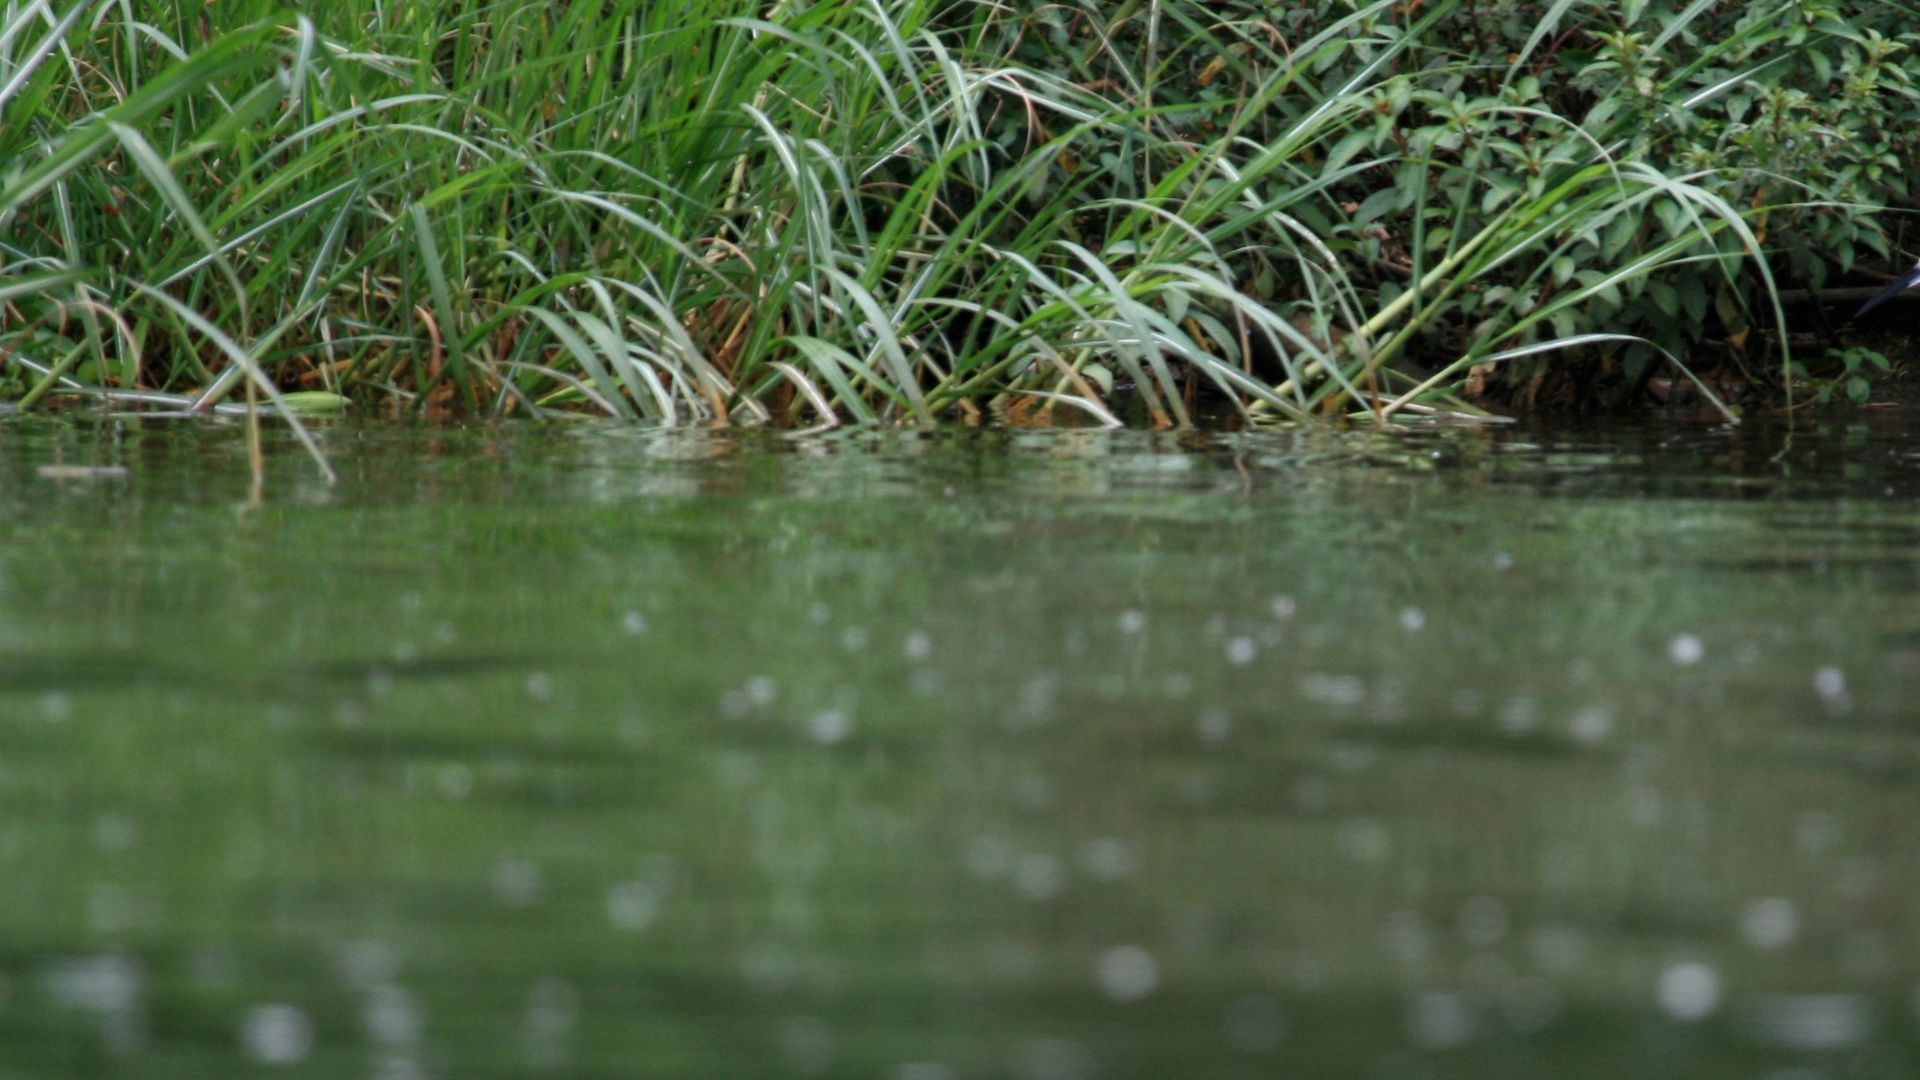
column 1374, row 205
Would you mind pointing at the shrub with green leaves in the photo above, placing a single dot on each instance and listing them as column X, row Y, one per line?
column 1724, row 130
column 902, row 209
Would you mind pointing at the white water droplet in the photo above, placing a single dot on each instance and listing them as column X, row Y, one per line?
column 516, row 883
column 276, row 1034
column 1039, row 877
column 1128, row 973
column 1770, row 924
column 1685, row 650
column 1483, row 921
column 829, row 727
column 1256, row 1024
column 633, row 905
column 1689, row 991
column 391, row 1017
column 1831, row 684
column 1050, row 1059
column 806, row 1044
column 1440, row 1020
column 1107, row 858
column 1215, row 725
column 1591, row 724
column 1811, row 1021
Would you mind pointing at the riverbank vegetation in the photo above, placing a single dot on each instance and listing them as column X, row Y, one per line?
column 857, row 210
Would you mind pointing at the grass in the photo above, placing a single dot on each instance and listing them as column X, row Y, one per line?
column 869, row 211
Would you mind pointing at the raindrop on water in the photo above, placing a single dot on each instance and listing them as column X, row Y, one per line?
column 918, row 645
column 768, row 967
column 1689, row 991
column 276, row 1034
column 368, row 963
column 1039, row 877
column 1817, row 832
column 1440, row 1020
column 1364, row 840
column 1256, row 1024
column 1519, row 714
column 114, row 833
column 1811, row 1021
column 1050, row 1059
column 106, row 984
column 1685, row 649
column 806, row 1044
column 1215, row 725
column 1770, row 924
column 1591, row 724
column 1643, row 805
column 553, row 1011
column 516, row 883
column 761, row 691
column 1483, row 921
column 1831, row 684
column 391, row 1016
column 633, row 905
column 56, row 706
column 539, row 686
column 455, row 781
column 1341, row 690
column 829, row 727
column 988, row 857
column 1558, row 947
column 1128, row 973
column 1107, row 858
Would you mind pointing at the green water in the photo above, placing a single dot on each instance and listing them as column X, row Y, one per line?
column 581, row 751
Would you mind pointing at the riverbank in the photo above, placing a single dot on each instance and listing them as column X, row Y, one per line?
column 799, row 213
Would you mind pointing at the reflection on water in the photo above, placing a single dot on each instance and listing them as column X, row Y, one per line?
column 1041, row 754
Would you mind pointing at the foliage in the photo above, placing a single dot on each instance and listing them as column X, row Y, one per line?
column 1849, row 372
column 901, row 208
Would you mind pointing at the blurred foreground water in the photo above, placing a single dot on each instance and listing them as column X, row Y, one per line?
column 1050, row 755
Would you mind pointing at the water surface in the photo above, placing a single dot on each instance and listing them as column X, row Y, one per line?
column 586, row 751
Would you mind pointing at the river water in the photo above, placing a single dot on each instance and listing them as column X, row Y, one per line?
column 1051, row 755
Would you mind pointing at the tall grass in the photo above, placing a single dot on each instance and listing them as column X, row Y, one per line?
column 867, row 210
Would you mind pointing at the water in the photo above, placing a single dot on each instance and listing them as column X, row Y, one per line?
column 581, row 751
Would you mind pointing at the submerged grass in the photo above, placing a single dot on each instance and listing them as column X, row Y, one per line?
column 803, row 212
